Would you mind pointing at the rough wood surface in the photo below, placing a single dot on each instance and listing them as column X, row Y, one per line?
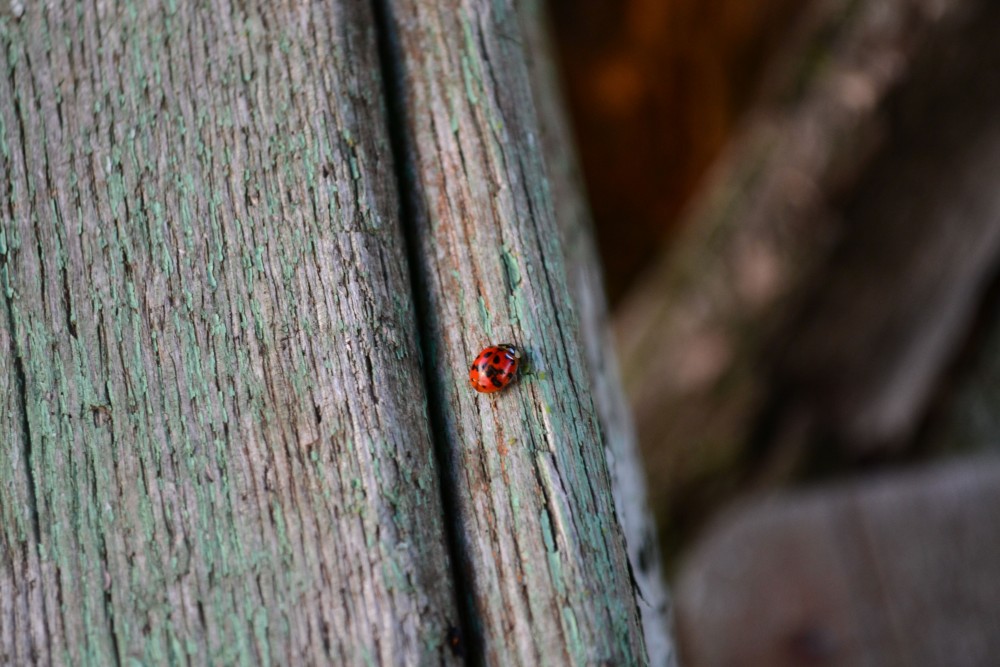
column 702, row 335
column 215, row 445
column 628, row 476
column 896, row 570
column 545, row 564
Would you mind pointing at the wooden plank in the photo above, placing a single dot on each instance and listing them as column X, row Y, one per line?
column 896, row 570
column 544, row 561
column 216, row 448
column 585, row 280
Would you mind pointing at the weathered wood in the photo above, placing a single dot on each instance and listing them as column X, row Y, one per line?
column 897, row 570
column 628, row 479
column 545, row 565
column 701, row 336
column 215, row 440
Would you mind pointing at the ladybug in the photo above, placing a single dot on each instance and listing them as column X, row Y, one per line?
column 494, row 368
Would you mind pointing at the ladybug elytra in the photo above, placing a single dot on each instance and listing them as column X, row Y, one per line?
column 494, row 368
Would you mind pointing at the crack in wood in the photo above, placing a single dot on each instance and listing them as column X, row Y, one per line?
column 391, row 63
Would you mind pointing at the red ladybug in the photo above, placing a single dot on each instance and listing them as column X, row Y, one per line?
column 494, row 368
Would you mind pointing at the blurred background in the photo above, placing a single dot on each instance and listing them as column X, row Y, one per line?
column 797, row 205
column 656, row 88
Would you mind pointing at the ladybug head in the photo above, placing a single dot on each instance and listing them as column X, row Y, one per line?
column 513, row 349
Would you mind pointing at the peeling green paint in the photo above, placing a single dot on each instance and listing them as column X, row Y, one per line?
column 484, row 318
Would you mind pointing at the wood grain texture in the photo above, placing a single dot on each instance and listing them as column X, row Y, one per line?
column 584, row 275
column 898, row 569
column 543, row 556
column 215, row 440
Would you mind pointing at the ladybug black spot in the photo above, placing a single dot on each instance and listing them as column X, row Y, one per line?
column 496, row 382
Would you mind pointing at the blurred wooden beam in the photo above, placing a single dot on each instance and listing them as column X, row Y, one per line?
column 831, row 269
column 900, row 569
